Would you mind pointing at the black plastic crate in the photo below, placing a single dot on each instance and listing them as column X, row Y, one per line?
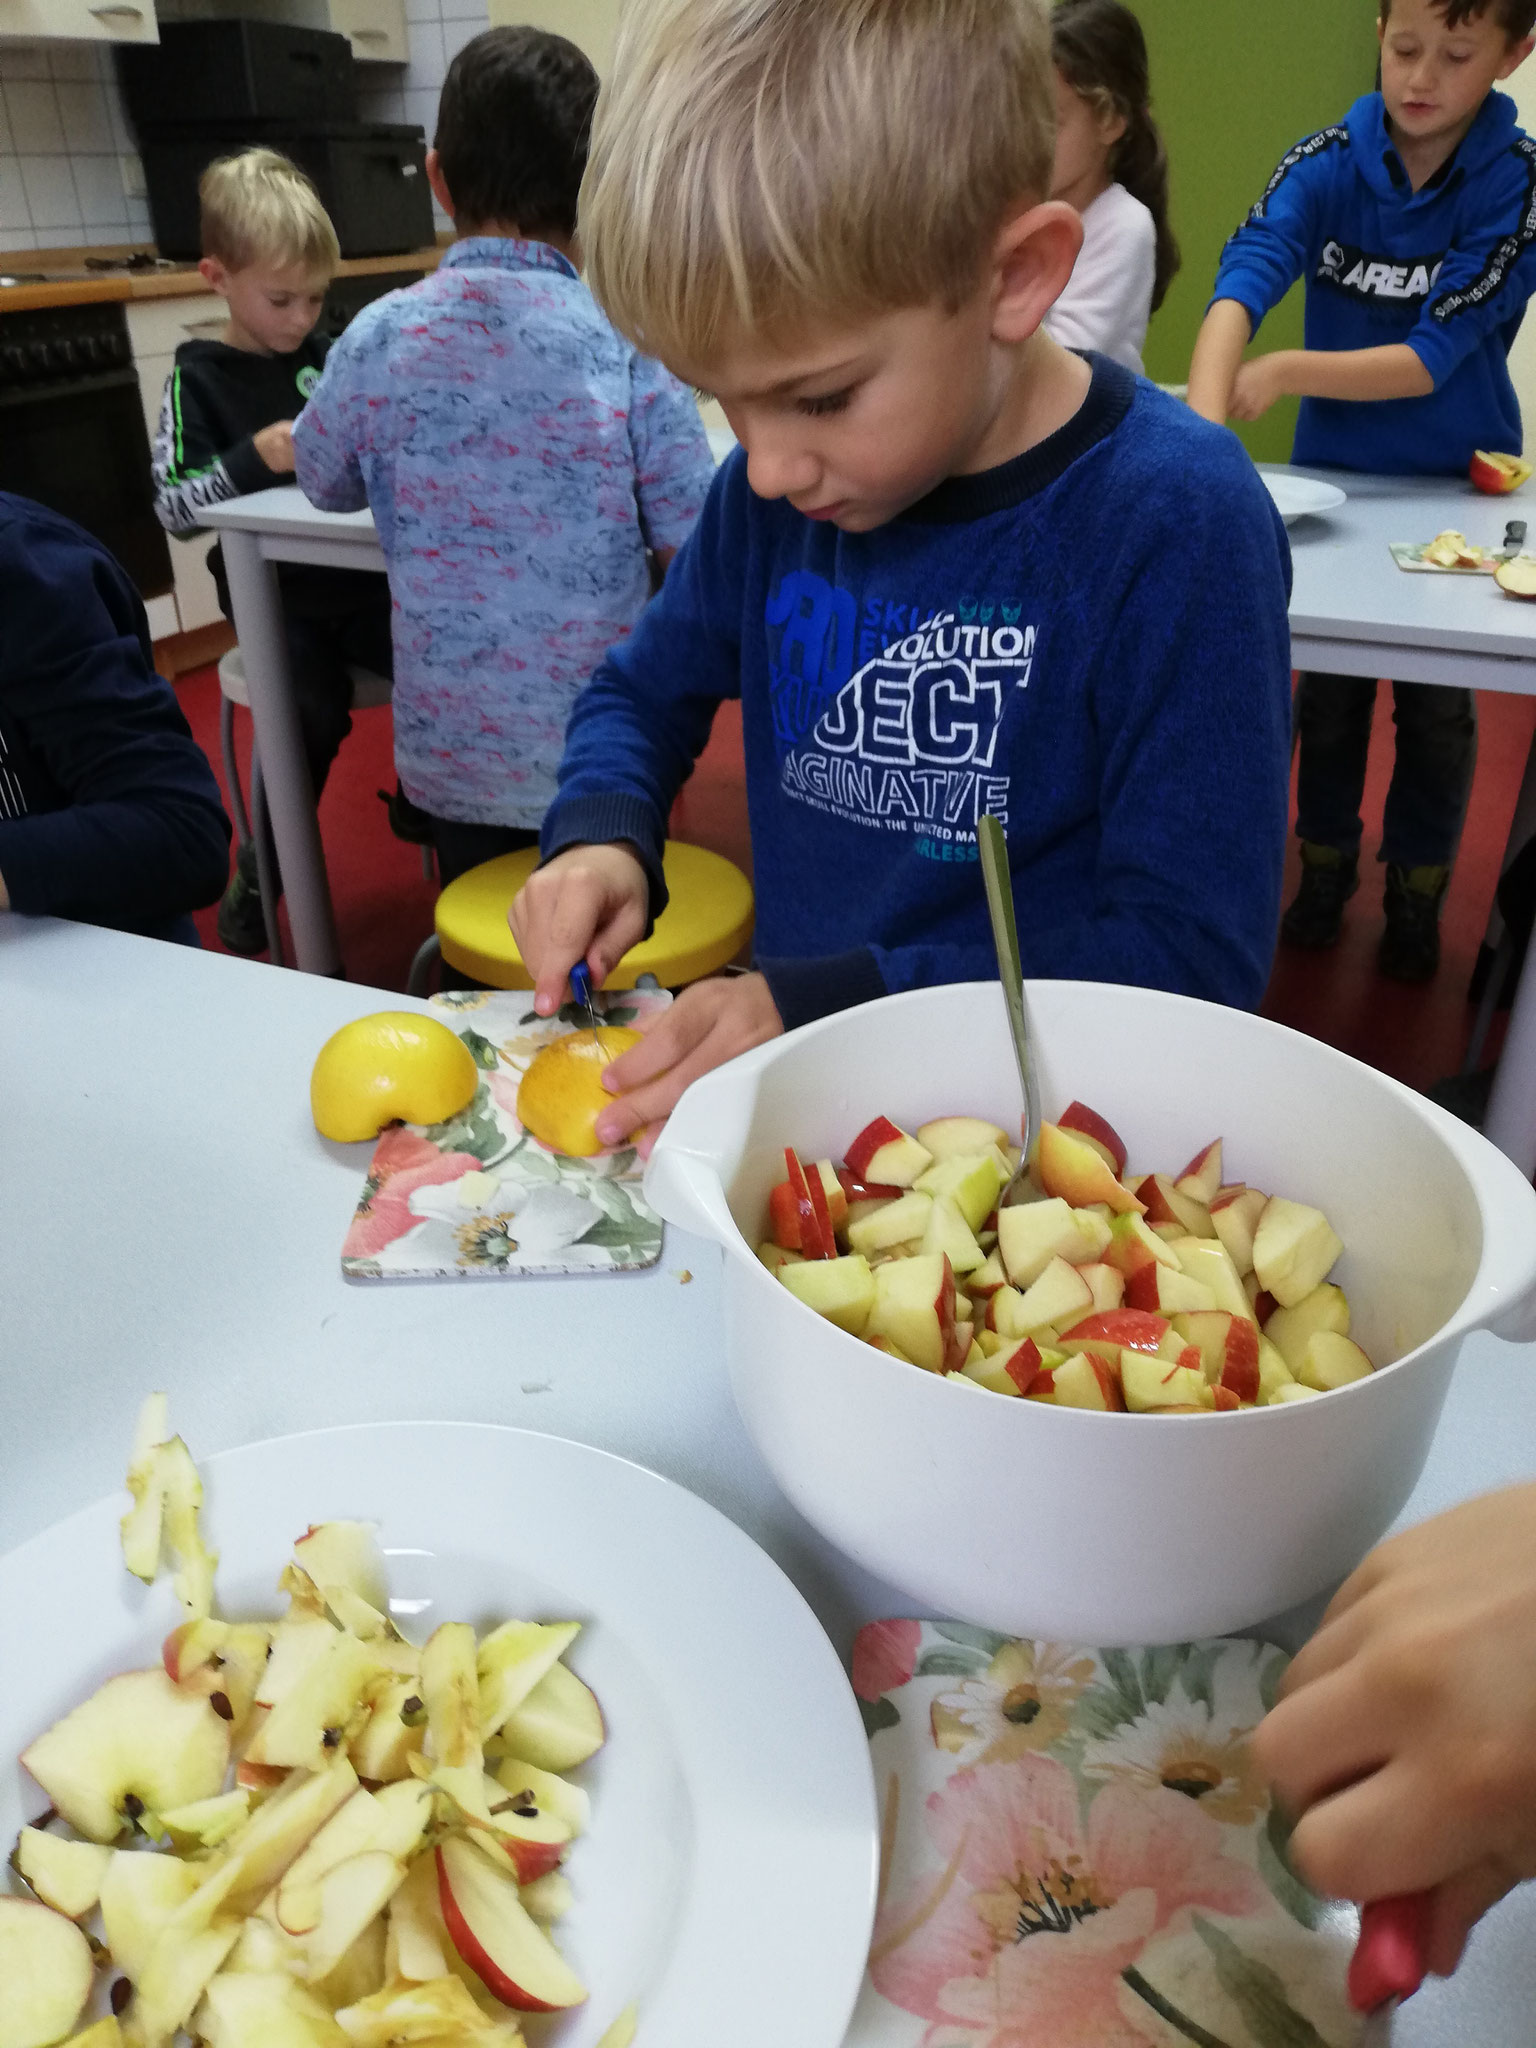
column 238, row 70
column 371, row 177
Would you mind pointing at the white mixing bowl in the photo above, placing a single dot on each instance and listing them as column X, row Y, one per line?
column 1057, row 1522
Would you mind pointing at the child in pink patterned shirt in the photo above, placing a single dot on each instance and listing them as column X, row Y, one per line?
column 523, row 462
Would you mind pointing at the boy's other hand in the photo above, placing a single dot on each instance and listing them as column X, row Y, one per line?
column 274, row 445
column 588, row 903
column 1256, row 387
column 710, row 1023
column 1405, row 1736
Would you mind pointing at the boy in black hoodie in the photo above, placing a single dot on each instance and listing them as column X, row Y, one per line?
column 226, row 429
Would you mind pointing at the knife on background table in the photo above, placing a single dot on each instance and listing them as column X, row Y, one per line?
column 1389, row 1961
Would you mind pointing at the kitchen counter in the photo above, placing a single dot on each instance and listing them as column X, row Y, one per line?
column 70, row 284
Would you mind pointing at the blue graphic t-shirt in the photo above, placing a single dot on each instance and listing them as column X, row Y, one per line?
column 1089, row 642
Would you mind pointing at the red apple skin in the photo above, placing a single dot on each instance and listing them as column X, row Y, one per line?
column 954, row 1351
column 1227, row 1402
column 813, row 1243
column 1240, row 1366
column 784, row 1217
column 1109, row 1384
column 818, row 1193
column 1491, row 480
column 1078, row 1172
column 532, row 1860
column 170, row 1654
column 1023, row 1366
column 1205, row 1170
column 1042, row 1387
column 462, row 1936
column 1141, row 1287
column 1264, row 1306
column 881, row 1132
column 1136, row 1329
column 1087, row 1123
column 259, row 1777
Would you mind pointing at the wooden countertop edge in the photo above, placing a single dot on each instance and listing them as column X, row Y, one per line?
column 169, row 284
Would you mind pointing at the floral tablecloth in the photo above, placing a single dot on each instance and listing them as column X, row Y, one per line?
column 1077, row 1852
column 479, row 1196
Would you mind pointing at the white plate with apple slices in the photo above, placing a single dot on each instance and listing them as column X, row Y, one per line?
column 726, row 1886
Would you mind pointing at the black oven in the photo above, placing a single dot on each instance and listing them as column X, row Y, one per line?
column 72, row 430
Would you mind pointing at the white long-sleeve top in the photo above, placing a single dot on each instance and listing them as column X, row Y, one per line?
column 1108, row 299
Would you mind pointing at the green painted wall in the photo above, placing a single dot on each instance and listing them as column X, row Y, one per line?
column 1235, row 83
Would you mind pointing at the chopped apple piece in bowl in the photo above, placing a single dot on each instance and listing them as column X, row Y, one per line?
column 1204, row 1263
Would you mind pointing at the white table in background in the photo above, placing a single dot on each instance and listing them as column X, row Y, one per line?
column 1355, row 613
column 169, row 1218
column 257, row 533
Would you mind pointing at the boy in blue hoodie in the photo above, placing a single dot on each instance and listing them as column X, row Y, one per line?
column 1414, row 224
column 952, row 570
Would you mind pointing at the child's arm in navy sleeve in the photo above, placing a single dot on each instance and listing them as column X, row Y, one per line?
column 143, row 837
column 1258, row 267
column 643, row 720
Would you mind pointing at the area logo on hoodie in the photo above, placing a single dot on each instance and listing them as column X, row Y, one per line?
column 1364, row 276
column 908, row 741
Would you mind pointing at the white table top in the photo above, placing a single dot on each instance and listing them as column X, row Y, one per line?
column 284, row 509
column 1347, row 586
column 168, row 1218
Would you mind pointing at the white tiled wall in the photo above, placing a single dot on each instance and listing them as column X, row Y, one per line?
column 63, row 143
column 439, row 29
column 67, row 151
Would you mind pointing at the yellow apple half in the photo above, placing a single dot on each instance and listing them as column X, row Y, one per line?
column 392, row 1067
column 1498, row 474
column 562, row 1093
column 1517, row 578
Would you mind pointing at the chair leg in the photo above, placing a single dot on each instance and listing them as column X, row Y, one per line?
column 418, row 981
column 266, row 865
column 237, row 810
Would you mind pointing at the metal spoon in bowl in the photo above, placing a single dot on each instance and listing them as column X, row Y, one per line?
column 1010, row 968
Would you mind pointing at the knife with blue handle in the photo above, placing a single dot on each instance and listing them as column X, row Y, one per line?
column 581, row 991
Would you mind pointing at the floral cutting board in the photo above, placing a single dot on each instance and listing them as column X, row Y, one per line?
column 1077, row 1852
column 478, row 1196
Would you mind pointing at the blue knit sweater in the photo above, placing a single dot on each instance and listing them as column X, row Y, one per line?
column 109, row 812
column 1089, row 641
column 1447, row 270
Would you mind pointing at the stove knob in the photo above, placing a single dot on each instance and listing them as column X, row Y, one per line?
column 13, row 363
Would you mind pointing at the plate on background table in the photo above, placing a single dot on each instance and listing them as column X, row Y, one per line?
column 733, row 1821
column 1298, row 497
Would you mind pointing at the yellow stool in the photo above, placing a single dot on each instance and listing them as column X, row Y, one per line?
column 707, row 921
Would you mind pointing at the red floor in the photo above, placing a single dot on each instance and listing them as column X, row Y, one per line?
column 384, row 903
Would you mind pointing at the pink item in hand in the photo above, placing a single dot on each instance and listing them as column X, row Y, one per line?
column 1389, row 1956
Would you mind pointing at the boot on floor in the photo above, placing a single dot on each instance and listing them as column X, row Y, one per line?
column 1410, row 945
column 1328, row 880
